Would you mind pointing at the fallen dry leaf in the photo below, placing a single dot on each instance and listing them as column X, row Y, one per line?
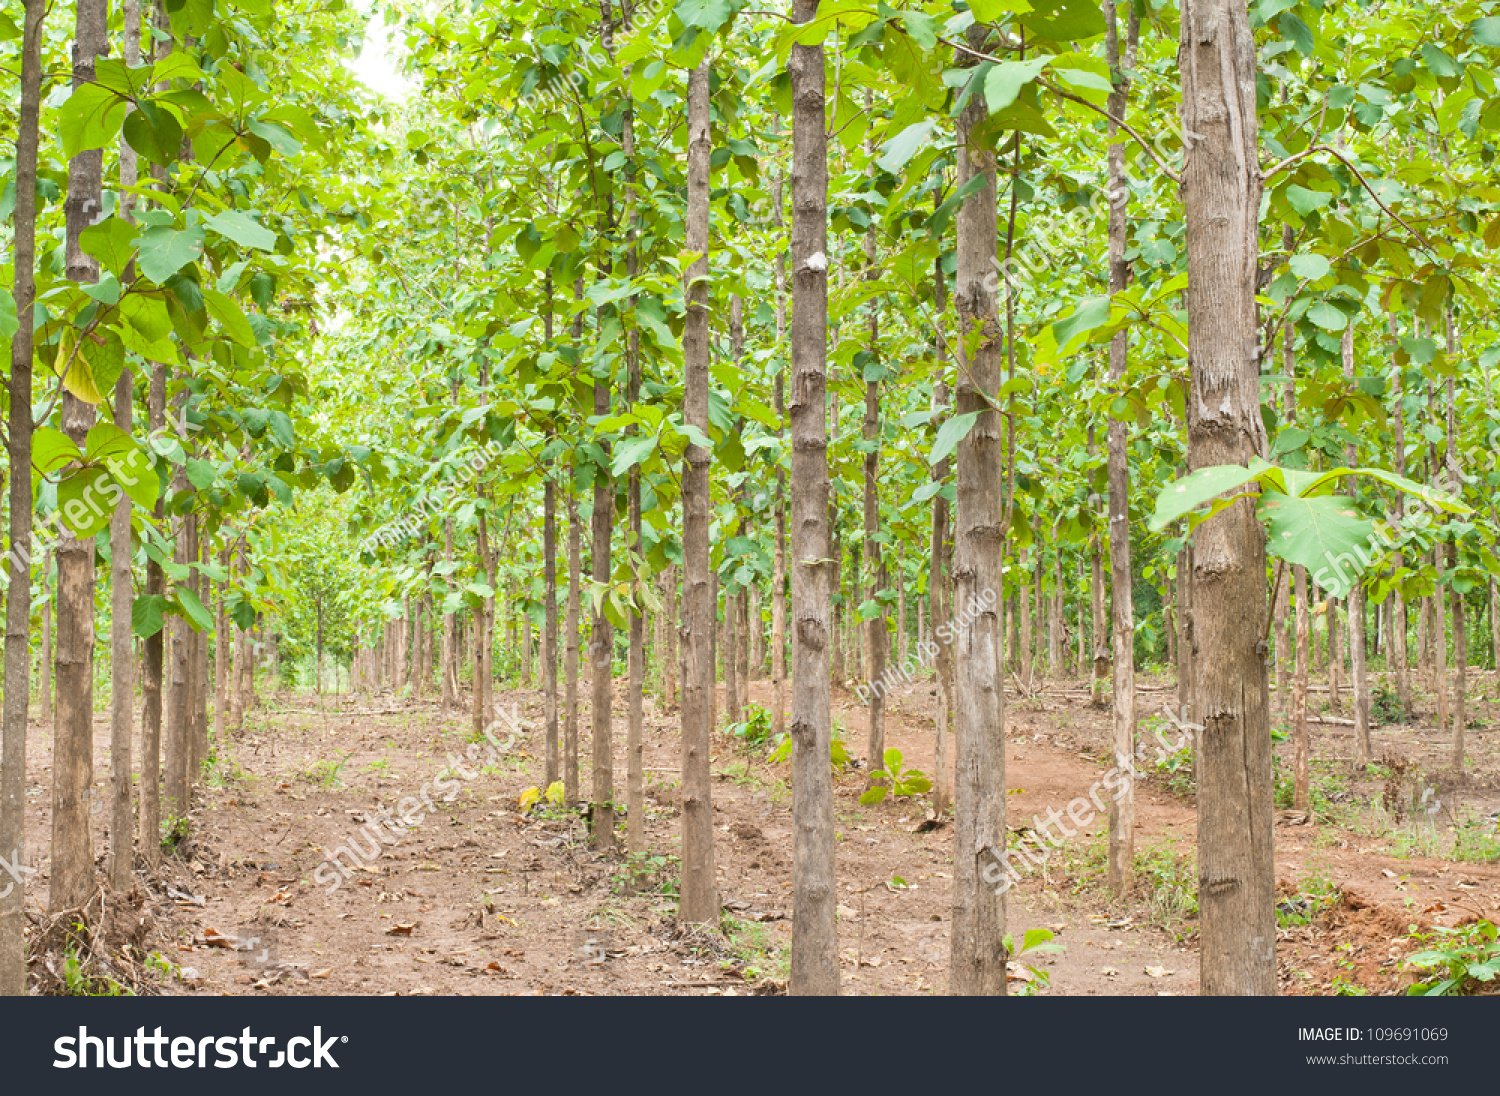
column 401, row 928
column 1158, row 972
column 216, row 939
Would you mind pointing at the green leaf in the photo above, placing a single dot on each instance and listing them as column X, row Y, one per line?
column 1004, row 81
column 1204, row 485
column 231, row 317
column 165, row 250
column 1311, row 267
column 1091, row 314
column 1486, row 32
column 133, row 472
column 9, row 324
column 1296, row 31
column 154, row 133
column 85, row 502
column 201, row 473
column 630, row 452
column 90, row 118
column 112, row 242
column 1327, row 317
column 1305, row 201
column 242, row 229
column 148, row 614
column 708, row 14
column 1064, row 20
column 198, row 618
column 1324, row 534
column 950, row 434
column 902, row 147
column 52, row 449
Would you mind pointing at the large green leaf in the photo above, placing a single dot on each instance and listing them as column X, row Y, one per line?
column 1325, row 534
column 1192, row 491
column 165, row 250
column 1428, row 494
column 148, row 614
column 952, row 432
column 902, row 147
column 1063, row 20
column 90, row 118
column 1004, row 81
column 242, row 229
column 85, row 501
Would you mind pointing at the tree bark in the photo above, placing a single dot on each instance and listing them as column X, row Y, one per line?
column 814, row 962
column 72, row 875
column 1122, row 600
column 978, row 953
column 17, row 692
column 939, row 572
column 700, row 899
column 571, row 641
column 1221, row 188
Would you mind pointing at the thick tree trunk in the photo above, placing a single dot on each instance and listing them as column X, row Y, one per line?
column 72, row 876
column 1301, row 746
column 17, row 692
column 1122, row 600
column 977, row 950
column 877, row 637
column 602, row 650
column 571, row 642
column 1221, row 188
column 940, row 569
column 814, row 962
column 700, row 898
column 1359, row 681
column 779, row 563
column 122, row 588
column 448, row 671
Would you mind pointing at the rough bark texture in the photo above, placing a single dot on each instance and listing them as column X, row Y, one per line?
column 700, row 898
column 1122, row 804
column 978, row 954
column 940, row 568
column 17, row 692
column 72, row 871
column 814, row 963
column 1359, row 680
column 601, row 652
column 1221, row 189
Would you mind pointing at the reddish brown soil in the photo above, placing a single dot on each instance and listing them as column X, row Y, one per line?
column 481, row 899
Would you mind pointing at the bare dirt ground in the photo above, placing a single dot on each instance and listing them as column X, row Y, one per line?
column 480, row 898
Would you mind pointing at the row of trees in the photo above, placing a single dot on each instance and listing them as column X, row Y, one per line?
column 760, row 309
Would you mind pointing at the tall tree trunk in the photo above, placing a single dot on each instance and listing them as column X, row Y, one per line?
column 877, row 637
column 72, row 878
column 940, row 570
column 1301, row 788
column 1359, row 681
column 1397, row 659
column 778, row 564
column 17, row 692
column 1221, row 188
column 700, row 899
column 1122, row 599
column 448, row 671
column 122, row 589
column 635, row 666
column 977, row 950
column 571, row 641
column 602, row 649
column 152, row 653
column 1023, row 615
column 814, row 963
column 1455, row 481
column 549, row 625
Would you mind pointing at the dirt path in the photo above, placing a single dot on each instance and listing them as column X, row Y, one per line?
column 477, row 898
